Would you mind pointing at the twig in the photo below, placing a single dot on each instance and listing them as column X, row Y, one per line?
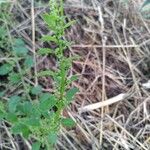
column 10, row 137
column 125, row 131
column 98, row 105
column 101, row 20
column 33, row 41
column 106, row 46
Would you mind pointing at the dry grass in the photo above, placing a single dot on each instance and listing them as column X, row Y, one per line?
column 113, row 42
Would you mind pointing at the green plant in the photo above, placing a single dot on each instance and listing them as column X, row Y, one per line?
column 32, row 112
column 4, row 42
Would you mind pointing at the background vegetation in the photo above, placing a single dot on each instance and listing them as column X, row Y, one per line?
column 110, row 56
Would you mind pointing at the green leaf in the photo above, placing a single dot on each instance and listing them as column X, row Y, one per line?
column 45, row 96
column 11, row 117
column 2, row 1
column 14, row 78
column 32, row 122
column 48, row 38
column 5, row 69
column 2, row 32
column 52, row 138
column 73, row 78
column 36, row 90
column 46, row 73
column 36, row 111
column 65, row 43
column 68, row 122
column 2, row 105
column 146, row 2
column 70, row 94
column 12, row 103
column 26, row 108
column 2, row 115
column 2, row 94
column 69, row 24
column 45, row 51
column 36, row 146
column 19, row 42
column 51, row 20
column 48, row 114
column 19, row 47
column 29, row 62
column 2, row 110
column 47, row 101
column 20, row 50
column 145, row 9
column 20, row 128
